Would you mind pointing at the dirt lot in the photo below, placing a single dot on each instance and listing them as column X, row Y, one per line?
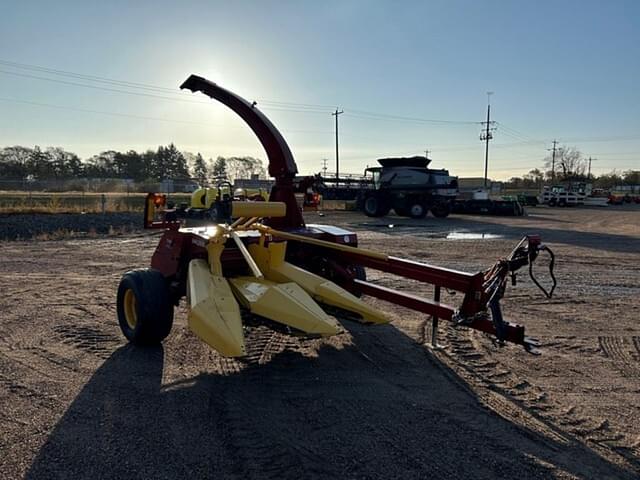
column 66, row 225
column 375, row 402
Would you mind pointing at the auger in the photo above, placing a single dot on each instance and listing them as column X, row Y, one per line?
column 260, row 257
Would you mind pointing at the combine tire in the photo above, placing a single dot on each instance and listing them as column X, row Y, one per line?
column 145, row 312
column 375, row 206
column 417, row 210
column 441, row 210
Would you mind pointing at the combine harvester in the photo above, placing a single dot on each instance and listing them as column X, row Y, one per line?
column 261, row 257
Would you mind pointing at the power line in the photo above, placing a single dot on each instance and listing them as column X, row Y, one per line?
column 518, row 137
column 101, row 112
column 93, row 78
column 172, row 94
column 603, row 139
column 520, row 140
column 517, row 133
column 616, row 154
column 293, row 104
column 510, row 133
column 444, row 148
column 144, row 117
column 139, row 85
column 273, row 105
column 76, row 84
column 383, row 116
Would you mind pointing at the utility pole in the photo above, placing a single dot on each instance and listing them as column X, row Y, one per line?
column 553, row 160
column 336, row 113
column 324, row 167
column 487, row 135
column 426, row 154
column 591, row 160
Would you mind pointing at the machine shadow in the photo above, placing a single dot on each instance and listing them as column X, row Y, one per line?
column 382, row 407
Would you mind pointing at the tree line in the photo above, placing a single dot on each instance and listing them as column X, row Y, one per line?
column 167, row 162
column 570, row 164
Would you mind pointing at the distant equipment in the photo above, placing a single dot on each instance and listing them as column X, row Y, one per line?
column 565, row 194
column 407, row 186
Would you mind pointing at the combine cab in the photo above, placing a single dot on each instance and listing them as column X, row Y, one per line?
column 260, row 257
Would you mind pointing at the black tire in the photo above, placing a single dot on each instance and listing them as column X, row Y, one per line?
column 375, row 206
column 145, row 312
column 441, row 210
column 562, row 203
column 212, row 213
column 417, row 210
column 552, row 202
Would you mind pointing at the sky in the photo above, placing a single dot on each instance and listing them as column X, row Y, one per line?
column 409, row 75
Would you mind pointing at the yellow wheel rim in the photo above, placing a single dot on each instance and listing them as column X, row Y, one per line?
column 130, row 309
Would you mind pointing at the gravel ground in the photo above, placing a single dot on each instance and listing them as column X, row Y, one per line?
column 28, row 226
column 375, row 402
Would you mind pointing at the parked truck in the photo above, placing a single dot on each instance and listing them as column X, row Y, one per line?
column 407, row 186
column 566, row 194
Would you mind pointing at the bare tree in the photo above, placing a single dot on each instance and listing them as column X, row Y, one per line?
column 245, row 167
column 534, row 178
column 568, row 162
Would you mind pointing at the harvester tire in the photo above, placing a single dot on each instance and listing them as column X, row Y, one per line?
column 145, row 312
column 375, row 206
column 417, row 210
column 441, row 210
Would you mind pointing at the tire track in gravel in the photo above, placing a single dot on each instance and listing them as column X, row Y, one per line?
column 623, row 351
column 87, row 338
column 515, row 398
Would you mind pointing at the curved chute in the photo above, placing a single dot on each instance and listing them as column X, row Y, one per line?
column 281, row 162
column 282, row 166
